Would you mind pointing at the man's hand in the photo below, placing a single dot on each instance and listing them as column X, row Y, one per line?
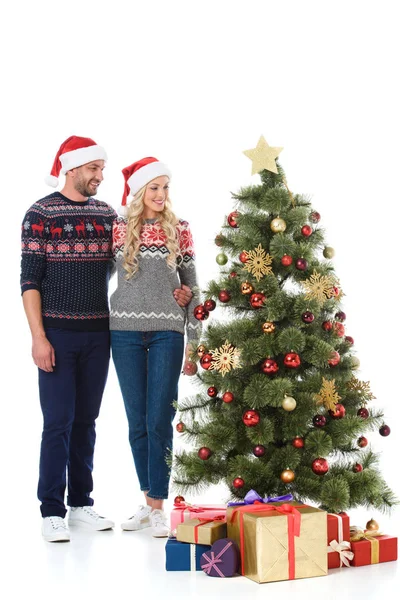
column 43, row 354
column 183, row 295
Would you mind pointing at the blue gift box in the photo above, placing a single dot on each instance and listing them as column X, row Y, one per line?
column 181, row 556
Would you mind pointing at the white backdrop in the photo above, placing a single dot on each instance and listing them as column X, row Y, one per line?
column 195, row 84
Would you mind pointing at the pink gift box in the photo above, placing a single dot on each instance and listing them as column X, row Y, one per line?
column 184, row 512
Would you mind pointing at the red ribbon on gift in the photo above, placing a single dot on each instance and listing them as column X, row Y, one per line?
column 203, row 522
column 294, row 522
column 193, row 508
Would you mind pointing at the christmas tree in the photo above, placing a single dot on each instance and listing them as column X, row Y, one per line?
column 280, row 408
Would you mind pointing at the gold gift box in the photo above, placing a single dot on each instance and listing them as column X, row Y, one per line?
column 207, row 533
column 266, row 543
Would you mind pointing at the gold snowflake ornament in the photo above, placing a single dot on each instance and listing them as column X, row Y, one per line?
column 362, row 388
column 225, row 359
column 258, row 262
column 328, row 395
column 319, row 287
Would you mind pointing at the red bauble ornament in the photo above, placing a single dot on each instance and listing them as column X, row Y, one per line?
column 269, row 366
column 315, row 216
column 212, row 391
column 233, row 274
column 179, row 499
column 363, row 413
column 320, row 466
column 238, row 483
column 251, row 418
column 308, row 317
column 206, row 361
column 257, row 300
column 232, row 219
column 201, row 313
column 339, row 329
column 334, row 359
column 224, row 296
column 339, row 412
column 180, row 427
column 357, row 468
column 286, row 260
column 298, row 442
column 209, row 304
column 384, row 430
column 306, row 230
column 204, row 453
column 327, row 326
column 189, row 368
column 319, row 421
column 259, row 450
column 340, row 316
column 292, row 360
column 301, row 264
column 218, row 240
column 362, row 442
column 349, row 340
column 228, row 397
column 243, row 257
column 335, row 290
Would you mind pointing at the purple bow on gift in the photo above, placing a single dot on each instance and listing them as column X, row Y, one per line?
column 252, row 497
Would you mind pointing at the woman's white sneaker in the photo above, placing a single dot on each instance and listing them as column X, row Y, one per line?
column 159, row 525
column 54, row 529
column 140, row 520
column 85, row 516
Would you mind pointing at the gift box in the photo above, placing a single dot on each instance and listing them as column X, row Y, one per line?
column 182, row 512
column 183, row 557
column 338, row 540
column 222, row 560
column 371, row 547
column 201, row 531
column 279, row 541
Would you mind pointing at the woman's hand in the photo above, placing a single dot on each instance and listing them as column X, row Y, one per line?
column 183, row 295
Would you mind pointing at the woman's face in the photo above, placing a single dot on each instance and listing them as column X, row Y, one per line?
column 155, row 196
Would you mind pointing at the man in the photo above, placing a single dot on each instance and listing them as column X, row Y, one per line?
column 65, row 270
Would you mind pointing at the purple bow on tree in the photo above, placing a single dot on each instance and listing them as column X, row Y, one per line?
column 252, row 497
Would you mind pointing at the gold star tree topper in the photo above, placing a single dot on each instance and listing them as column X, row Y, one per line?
column 263, row 157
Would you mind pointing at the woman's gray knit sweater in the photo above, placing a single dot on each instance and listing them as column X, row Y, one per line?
column 146, row 302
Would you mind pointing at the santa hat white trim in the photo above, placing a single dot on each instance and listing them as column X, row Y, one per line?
column 81, row 156
column 146, row 174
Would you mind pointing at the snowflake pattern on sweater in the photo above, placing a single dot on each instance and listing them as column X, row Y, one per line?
column 67, row 257
column 146, row 302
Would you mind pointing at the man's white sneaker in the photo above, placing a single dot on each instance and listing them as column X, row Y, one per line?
column 140, row 520
column 54, row 529
column 85, row 516
column 158, row 522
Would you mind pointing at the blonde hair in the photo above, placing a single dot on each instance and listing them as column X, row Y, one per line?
column 168, row 222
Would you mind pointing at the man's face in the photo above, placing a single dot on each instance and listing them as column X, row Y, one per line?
column 87, row 178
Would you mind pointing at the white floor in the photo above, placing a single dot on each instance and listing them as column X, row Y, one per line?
column 116, row 564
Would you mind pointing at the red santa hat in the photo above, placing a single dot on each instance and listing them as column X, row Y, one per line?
column 138, row 175
column 74, row 152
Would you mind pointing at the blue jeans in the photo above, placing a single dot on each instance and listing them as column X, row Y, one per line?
column 70, row 399
column 148, row 366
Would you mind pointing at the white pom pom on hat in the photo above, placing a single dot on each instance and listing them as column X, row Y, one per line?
column 137, row 175
column 74, row 152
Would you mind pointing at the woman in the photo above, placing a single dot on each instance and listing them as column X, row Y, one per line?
column 154, row 254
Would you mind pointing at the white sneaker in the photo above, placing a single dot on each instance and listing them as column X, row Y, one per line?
column 54, row 529
column 140, row 520
column 159, row 525
column 85, row 516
